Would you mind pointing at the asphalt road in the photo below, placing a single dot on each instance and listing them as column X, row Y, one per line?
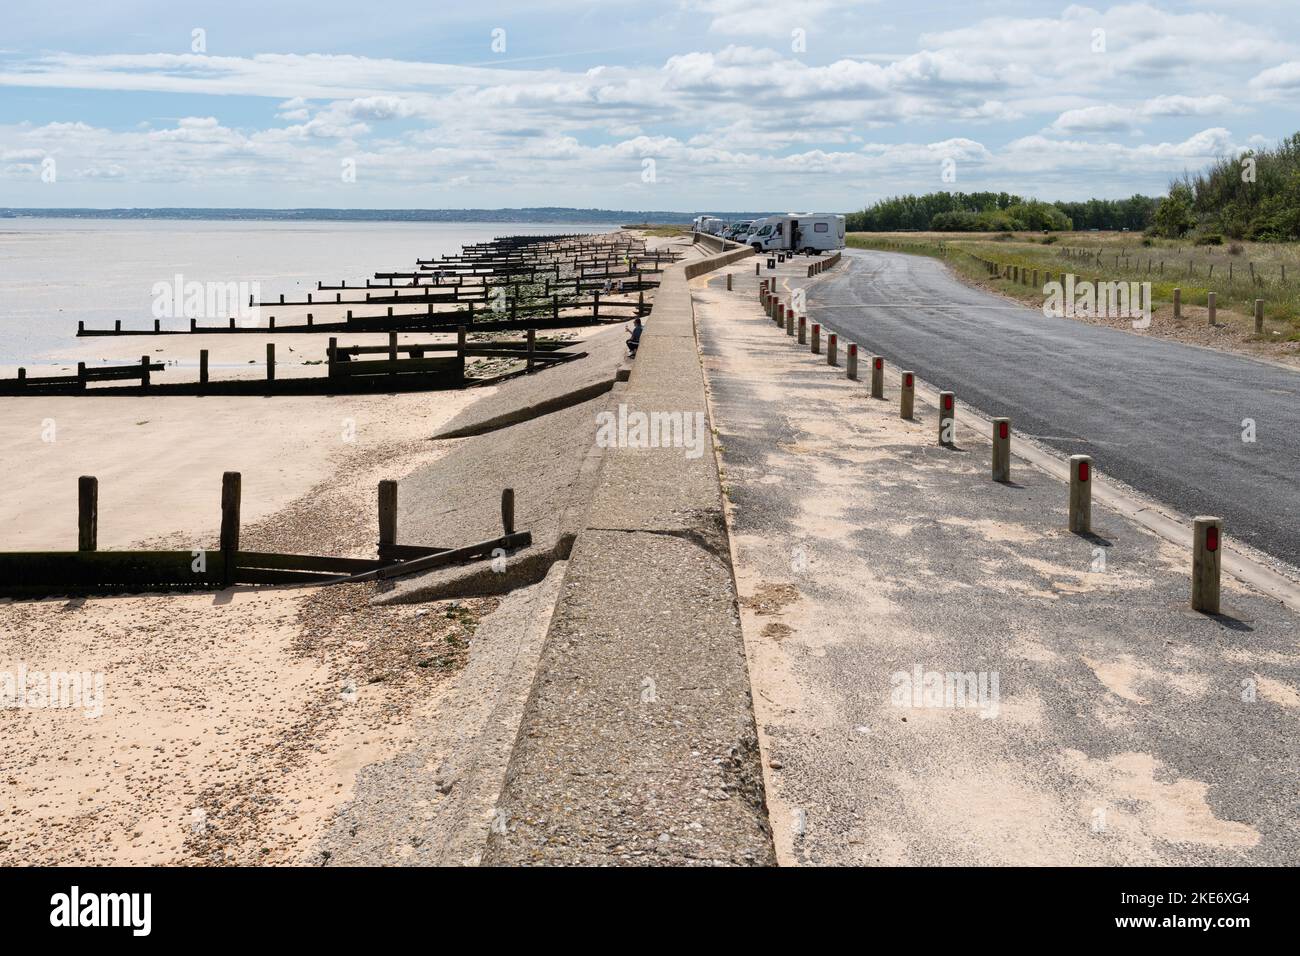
column 1165, row 418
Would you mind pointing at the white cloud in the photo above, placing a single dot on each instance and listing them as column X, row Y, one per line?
column 1279, row 81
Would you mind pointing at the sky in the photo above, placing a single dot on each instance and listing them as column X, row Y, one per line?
column 682, row 105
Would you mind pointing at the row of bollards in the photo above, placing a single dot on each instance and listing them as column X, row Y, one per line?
column 1206, row 530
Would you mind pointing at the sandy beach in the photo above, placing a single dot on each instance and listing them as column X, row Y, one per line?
column 232, row 723
column 229, row 727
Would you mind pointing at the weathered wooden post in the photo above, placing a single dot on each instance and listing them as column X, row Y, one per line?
column 230, row 486
column 508, row 511
column 728, row 281
column 1178, row 303
column 1259, row 316
column 203, row 366
column 1212, row 307
column 144, row 371
column 907, row 395
column 1206, row 560
column 532, row 348
column 1081, row 494
column 392, row 346
column 947, row 414
column 387, row 515
column 270, row 361
column 877, row 376
column 832, row 349
column 1002, row 449
column 81, row 375
column 87, row 513
column 595, row 304
column 851, row 361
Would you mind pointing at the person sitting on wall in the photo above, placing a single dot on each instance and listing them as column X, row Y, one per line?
column 635, row 340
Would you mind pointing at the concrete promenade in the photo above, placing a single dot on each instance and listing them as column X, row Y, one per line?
column 1105, row 722
column 637, row 745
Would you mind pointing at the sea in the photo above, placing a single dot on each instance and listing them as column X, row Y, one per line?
column 57, row 272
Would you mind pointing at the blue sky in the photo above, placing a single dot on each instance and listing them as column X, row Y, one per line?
column 679, row 104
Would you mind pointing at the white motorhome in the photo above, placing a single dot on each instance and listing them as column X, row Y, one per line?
column 798, row 232
column 739, row 230
column 711, row 225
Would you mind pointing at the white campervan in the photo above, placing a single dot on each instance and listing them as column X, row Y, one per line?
column 798, row 232
column 711, row 225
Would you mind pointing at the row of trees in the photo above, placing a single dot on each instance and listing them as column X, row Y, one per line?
column 1253, row 196
column 997, row 212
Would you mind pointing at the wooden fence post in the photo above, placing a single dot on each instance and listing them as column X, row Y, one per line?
column 387, row 515
column 508, row 511
column 87, row 513
column 230, row 486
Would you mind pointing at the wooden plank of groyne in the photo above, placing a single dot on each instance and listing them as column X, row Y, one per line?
column 64, row 572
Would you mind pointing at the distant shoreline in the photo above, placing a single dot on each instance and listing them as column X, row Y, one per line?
column 548, row 214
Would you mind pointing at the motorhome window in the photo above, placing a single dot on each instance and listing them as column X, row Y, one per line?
column 780, row 228
column 821, row 227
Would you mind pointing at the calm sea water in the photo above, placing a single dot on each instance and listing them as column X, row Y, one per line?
column 56, row 272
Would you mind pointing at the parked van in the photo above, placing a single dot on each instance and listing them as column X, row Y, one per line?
column 798, row 232
column 711, row 225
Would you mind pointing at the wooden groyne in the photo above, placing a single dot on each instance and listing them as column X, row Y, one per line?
column 526, row 284
column 496, row 285
column 403, row 367
column 87, row 570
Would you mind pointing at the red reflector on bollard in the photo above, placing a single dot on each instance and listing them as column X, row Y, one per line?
column 1084, row 471
column 947, row 403
column 1003, row 429
column 880, row 363
column 907, row 380
column 1211, row 539
column 853, row 349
